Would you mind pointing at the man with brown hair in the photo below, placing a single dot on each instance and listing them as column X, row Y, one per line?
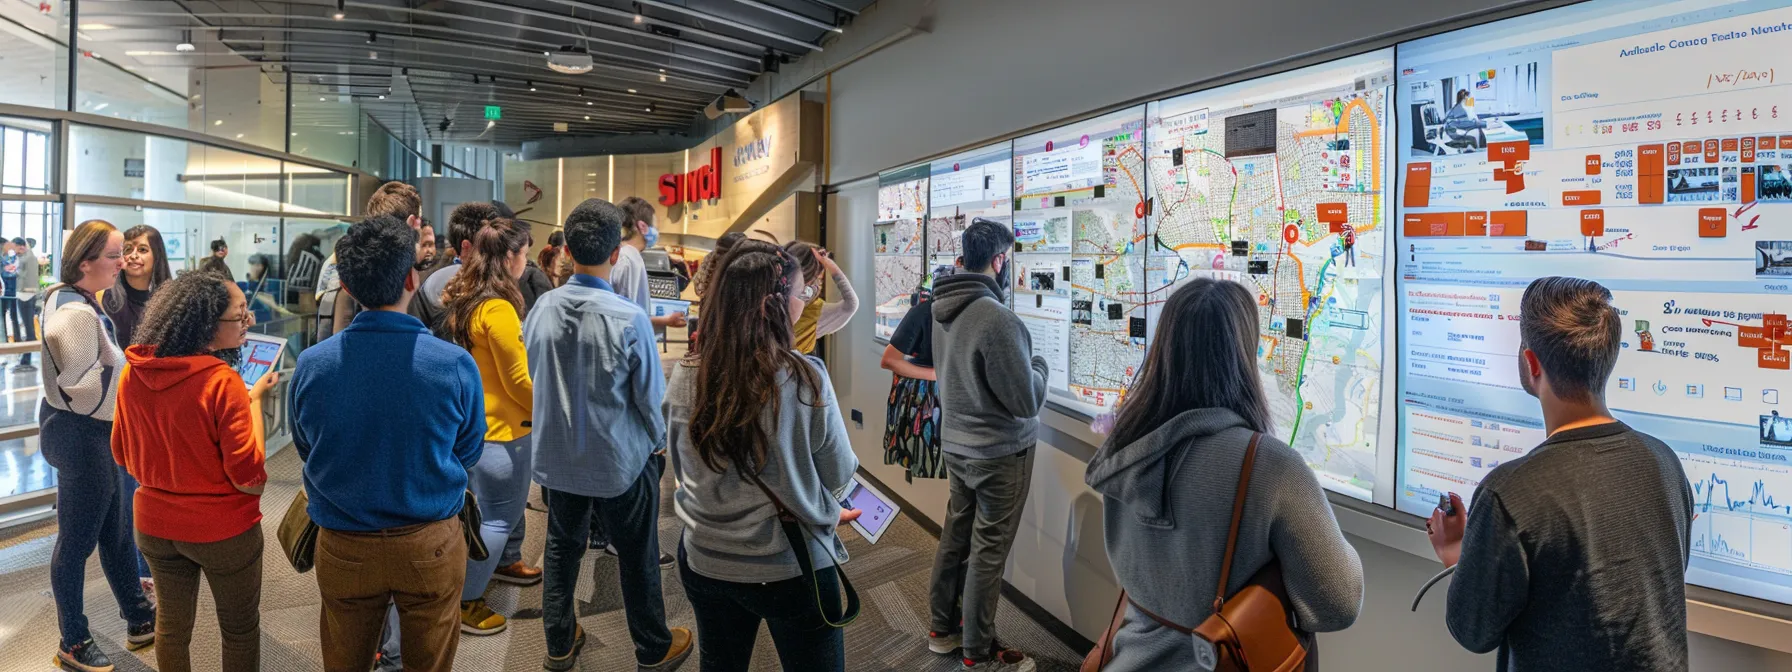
column 630, row 275
column 335, row 309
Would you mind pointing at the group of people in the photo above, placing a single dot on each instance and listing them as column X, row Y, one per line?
column 442, row 385
column 1541, row 573
column 22, row 275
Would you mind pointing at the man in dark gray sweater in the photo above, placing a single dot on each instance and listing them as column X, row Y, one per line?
column 991, row 390
column 1574, row 556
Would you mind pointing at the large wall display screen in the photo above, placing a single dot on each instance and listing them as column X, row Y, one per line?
column 1277, row 183
column 1643, row 144
column 898, row 251
column 977, row 184
column 1078, row 268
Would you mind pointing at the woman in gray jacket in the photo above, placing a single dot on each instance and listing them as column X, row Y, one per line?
column 1169, row 472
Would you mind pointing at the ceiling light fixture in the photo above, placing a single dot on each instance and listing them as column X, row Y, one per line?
column 372, row 37
column 531, row 87
column 186, row 42
column 650, row 108
column 631, row 90
column 341, row 10
column 218, row 122
column 587, row 117
column 95, row 26
column 382, row 97
column 588, row 103
column 239, row 136
column 571, row 60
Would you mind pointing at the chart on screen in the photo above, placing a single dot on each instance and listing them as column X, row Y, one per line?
column 1641, row 144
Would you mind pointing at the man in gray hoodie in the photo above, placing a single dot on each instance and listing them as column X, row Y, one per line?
column 992, row 387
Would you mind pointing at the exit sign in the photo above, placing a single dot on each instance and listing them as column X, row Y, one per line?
column 494, row 112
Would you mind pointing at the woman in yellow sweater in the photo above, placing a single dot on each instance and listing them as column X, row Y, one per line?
column 485, row 308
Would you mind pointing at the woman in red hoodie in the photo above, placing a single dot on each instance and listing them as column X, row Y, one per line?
column 191, row 434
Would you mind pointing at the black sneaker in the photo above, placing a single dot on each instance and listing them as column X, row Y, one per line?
column 141, row 635
column 666, row 559
column 83, row 657
column 571, row 659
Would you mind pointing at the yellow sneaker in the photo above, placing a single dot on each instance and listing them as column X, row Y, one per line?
column 675, row 654
column 478, row 619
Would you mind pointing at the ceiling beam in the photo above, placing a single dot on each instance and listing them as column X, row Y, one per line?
column 705, row 16
column 799, row 18
column 526, row 70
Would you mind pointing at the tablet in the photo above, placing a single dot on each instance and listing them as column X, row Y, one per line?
column 879, row 510
column 261, row 354
column 666, row 307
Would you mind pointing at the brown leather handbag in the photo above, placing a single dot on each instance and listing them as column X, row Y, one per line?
column 1253, row 631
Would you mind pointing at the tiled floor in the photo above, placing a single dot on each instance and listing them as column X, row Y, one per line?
column 892, row 578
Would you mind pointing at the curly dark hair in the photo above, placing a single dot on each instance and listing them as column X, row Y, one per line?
column 183, row 315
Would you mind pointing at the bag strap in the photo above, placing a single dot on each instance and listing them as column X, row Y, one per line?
column 1244, row 486
column 1106, row 645
column 99, row 351
column 798, row 534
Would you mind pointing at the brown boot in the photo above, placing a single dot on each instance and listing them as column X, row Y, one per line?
column 682, row 645
column 519, row 573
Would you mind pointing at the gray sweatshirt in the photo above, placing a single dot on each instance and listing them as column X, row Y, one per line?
column 992, row 386
column 1169, row 495
column 731, row 530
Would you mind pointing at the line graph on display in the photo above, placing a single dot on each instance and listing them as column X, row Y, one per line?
column 1738, row 514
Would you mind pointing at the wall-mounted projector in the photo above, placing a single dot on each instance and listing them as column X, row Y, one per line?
column 731, row 102
column 570, row 60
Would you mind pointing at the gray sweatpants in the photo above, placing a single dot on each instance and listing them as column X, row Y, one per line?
column 982, row 517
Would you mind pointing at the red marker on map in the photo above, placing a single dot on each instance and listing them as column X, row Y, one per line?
column 1291, row 233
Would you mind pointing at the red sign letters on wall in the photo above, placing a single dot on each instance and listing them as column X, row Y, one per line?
column 702, row 184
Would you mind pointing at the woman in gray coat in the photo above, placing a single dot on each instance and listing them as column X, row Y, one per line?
column 1169, row 472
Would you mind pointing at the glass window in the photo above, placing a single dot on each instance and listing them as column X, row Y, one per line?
column 128, row 78
column 34, row 40
column 126, row 164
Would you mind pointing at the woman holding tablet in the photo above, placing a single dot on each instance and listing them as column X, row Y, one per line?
column 1188, row 422
column 80, row 371
column 485, row 315
column 750, row 416
column 145, row 269
column 190, row 433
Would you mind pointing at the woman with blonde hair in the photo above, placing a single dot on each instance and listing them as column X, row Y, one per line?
column 81, row 365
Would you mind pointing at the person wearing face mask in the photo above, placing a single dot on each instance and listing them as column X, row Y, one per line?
column 820, row 318
column 201, row 490
column 484, row 315
column 75, row 431
column 991, row 389
column 630, row 275
column 145, row 270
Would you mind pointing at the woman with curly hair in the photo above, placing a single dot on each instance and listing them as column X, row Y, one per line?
column 201, row 490
column 484, row 315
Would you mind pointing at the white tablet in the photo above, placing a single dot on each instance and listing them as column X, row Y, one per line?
column 879, row 510
column 261, row 354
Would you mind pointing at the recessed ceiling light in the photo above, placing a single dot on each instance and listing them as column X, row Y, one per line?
column 662, row 79
column 588, row 103
column 631, row 90
column 382, row 96
column 321, row 99
column 588, row 118
column 239, row 136
column 96, row 26
column 218, row 122
column 101, row 106
column 295, row 134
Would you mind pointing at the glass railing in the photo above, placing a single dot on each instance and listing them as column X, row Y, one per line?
column 274, row 217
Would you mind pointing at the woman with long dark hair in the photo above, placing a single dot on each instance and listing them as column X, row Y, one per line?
column 81, row 364
column 748, row 414
column 485, row 315
column 1169, row 473
column 145, row 269
column 551, row 256
column 186, row 428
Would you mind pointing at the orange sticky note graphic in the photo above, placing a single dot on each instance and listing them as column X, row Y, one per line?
column 1592, row 223
column 1711, row 222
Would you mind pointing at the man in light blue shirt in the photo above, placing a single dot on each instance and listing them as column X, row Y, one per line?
column 597, row 425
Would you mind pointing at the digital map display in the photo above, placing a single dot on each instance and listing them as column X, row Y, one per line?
column 898, row 251
column 1079, row 273
column 1642, row 144
column 1277, row 184
column 966, row 187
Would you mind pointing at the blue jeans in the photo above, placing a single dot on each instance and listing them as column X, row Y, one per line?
column 127, row 497
column 88, row 517
column 633, row 519
column 728, row 616
column 501, row 481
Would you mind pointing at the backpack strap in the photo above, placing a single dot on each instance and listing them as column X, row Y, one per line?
column 1244, row 485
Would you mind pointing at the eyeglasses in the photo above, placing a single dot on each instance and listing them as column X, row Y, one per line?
column 245, row 319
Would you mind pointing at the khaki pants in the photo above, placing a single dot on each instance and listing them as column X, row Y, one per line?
column 232, row 568
column 418, row 567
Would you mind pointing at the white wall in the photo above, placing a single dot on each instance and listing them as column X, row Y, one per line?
column 991, row 67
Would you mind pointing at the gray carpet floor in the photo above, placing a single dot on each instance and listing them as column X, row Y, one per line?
column 892, row 578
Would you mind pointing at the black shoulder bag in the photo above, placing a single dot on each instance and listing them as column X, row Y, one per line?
column 798, row 534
